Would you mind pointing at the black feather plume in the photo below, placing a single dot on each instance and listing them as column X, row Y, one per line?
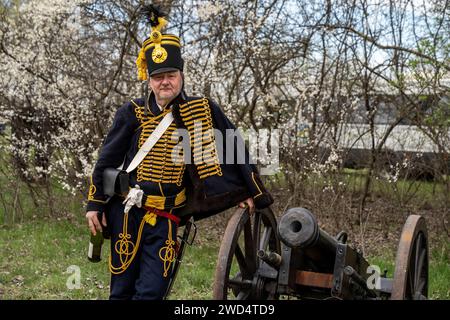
column 152, row 13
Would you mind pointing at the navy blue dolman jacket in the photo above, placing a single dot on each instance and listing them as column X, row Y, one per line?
column 187, row 172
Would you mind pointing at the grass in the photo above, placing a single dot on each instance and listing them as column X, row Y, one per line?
column 37, row 252
column 403, row 190
column 439, row 271
column 35, row 257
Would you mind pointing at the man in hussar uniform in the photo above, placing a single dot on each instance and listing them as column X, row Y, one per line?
column 172, row 183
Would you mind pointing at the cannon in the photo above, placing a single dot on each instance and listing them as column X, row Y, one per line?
column 261, row 258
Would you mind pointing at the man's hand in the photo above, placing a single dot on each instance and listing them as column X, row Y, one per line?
column 248, row 203
column 94, row 224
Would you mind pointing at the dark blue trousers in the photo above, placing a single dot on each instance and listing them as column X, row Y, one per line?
column 147, row 276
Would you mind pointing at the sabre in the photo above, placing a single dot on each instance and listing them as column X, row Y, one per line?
column 184, row 240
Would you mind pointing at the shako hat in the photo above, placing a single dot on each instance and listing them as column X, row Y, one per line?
column 159, row 52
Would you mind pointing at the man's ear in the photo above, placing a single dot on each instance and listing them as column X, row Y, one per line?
column 182, row 79
column 147, row 95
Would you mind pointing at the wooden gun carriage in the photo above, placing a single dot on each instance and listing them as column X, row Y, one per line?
column 262, row 259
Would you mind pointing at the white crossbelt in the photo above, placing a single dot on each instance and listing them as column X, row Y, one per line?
column 150, row 142
column 134, row 197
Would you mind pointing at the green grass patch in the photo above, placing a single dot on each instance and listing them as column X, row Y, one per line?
column 37, row 260
column 439, row 271
column 36, row 257
column 196, row 275
column 402, row 191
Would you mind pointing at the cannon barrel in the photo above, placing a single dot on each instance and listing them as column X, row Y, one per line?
column 298, row 229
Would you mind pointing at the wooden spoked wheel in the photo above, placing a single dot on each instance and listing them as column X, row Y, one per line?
column 237, row 271
column 411, row 264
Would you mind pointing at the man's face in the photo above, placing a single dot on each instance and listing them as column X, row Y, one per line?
column 166, row 86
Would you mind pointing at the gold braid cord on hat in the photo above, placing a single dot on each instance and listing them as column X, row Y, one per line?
column 156, row 39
